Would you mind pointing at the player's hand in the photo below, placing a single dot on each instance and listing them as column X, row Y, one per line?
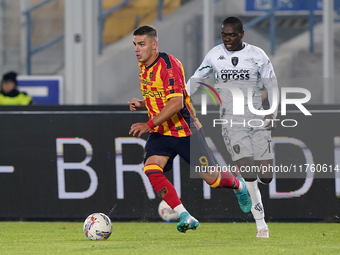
column 269, row 123
column 139, row 128
column 135, row 104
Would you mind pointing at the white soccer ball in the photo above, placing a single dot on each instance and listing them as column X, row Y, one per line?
column 97, row 226
column 166, row 213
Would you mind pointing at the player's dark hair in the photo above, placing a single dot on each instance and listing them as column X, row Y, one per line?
column 233, row 21
column 146, row 30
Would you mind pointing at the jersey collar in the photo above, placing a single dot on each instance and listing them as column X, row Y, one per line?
column 154, row 62
column 232, row 52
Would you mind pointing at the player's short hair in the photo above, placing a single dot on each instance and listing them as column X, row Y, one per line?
column 146, row 30
column 233, row 21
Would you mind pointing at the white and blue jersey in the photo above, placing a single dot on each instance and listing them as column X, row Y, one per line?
column 250, row 70
column 246, row 68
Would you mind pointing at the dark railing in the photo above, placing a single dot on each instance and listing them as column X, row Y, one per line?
column 32, row 51
column 313, row 21
column 101, row 19
column 104, row 14
column 270, row 14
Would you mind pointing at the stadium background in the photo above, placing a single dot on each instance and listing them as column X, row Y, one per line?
column 69, row 161
column 36, row 182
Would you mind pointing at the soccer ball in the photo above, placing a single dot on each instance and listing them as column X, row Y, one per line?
column 97, row 226
column 166, row 213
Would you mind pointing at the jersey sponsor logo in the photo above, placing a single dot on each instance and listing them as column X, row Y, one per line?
column 234, row 61
column 235, row 71
column 235, row 74
column 148, row 93
column 146, row 82
column 221, row 57
column 252, row 60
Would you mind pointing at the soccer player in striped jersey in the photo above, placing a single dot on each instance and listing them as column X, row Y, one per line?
column 173, row 126
column 246, row 67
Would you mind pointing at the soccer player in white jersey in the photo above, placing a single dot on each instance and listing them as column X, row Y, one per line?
column 239, row 64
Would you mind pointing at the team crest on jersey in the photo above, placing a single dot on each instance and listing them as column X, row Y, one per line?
column 151, row 75
column 234, row 61
column 170, row 73
column 162, row 192
column 237, row 148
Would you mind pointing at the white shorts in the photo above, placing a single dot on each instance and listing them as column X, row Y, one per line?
column 243, row 143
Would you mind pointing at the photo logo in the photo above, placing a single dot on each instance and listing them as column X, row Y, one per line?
column 239, row 103
column 204, row 97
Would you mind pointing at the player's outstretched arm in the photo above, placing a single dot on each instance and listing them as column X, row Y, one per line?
column 135, row 104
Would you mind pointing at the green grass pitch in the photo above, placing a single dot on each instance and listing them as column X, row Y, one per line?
column 162, row 238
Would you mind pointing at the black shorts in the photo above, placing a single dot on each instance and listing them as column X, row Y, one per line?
column 193, row 149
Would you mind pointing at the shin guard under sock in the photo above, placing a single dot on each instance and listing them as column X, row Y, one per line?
column 161, row 185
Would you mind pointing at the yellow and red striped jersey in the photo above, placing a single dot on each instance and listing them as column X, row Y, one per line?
column 159, row 82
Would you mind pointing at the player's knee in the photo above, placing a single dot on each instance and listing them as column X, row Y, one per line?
column 266, row 180
column 250, row 179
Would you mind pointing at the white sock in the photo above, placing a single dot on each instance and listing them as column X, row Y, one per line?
column 179, row 209
column 257, row 208
column 240, row 188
